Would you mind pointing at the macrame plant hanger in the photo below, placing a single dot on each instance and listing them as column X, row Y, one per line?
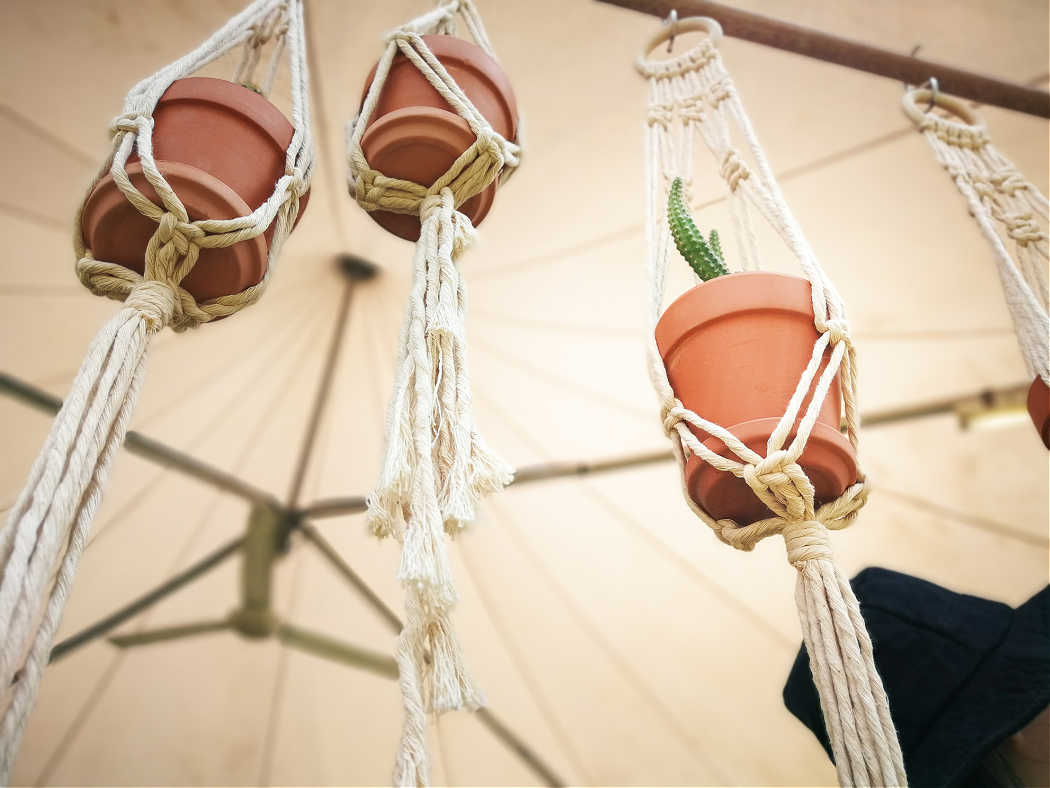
column 48, row 525
column 1010, row 211
column 692, row 95
column 436, row 465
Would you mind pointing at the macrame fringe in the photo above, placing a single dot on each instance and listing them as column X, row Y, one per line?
column 50, row 521
column 435, row 469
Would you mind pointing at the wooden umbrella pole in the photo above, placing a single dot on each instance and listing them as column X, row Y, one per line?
column 817, row 44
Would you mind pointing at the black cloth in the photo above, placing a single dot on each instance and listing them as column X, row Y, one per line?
column 962, row 673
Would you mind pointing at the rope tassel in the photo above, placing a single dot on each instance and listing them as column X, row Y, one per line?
column 49, row 523
column 435, row 469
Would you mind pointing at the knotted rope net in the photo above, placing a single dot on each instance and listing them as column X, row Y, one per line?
column 693, row 96
column 48, row 525
column 1011, row 212
column 436, row 465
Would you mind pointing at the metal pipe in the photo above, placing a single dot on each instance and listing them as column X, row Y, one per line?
column 817, row 44
column 148, row 448
column 132, row 609
column 322, row 645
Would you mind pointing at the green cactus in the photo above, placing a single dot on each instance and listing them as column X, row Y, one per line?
column 703, row 255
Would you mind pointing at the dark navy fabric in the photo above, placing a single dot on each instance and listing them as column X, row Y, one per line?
column 962, row 673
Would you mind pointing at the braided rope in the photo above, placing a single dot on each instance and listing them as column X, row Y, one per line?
column 436, row 465
column 1009, row 210
column 48, row 525
column 693, row 96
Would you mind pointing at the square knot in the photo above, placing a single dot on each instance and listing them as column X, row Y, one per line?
column 720, row 91
column 692, row 109
column 734, row 169
column 660, row 115
column 1023, row 228
column 181, row 235
column 805, row 540
column 781, row 484
column 955, row 134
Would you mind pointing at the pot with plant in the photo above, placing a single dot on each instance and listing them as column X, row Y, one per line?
column 734, row 347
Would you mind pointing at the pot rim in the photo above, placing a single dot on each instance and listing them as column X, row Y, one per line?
column 730, row 294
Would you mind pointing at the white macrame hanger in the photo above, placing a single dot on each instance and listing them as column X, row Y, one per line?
column 692, row 96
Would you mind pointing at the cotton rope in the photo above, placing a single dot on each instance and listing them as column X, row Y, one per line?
column 48, row 525
column 436, row 465
column 693, row 95
column 1007, row 207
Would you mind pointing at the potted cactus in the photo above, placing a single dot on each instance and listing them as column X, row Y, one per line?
column 221, row 147
column 415, row 134
column 734, row 347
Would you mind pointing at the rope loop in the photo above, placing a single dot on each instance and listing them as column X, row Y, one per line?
column 128, row 123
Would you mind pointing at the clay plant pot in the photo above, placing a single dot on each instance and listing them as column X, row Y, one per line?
column 414, row 134
column 1039, row 408
column 734, row 348
column 221, row 147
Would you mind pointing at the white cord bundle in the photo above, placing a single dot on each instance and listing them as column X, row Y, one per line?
column 1005, row 205
column 693, row 95
column 48, row 525
column 436, row 465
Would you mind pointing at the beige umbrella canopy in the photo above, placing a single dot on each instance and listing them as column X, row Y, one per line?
column 615, row 638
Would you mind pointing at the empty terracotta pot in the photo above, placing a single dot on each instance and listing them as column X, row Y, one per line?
column 1039, row 408
column 221, row 147
column 734, row 349
column 414, row 134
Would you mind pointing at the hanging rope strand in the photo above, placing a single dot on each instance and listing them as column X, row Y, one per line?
column 694, row 93
column 48, row 526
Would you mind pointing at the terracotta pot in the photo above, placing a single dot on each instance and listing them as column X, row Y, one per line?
column 734, row 349
column 1039, row 408
column 414, row 134
column 222, row 148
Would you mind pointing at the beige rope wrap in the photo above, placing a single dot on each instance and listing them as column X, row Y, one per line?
column 693, row 96
column 1008, row 208
column 436, row 465
column 48, row 526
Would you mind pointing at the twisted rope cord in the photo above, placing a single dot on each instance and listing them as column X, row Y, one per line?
column 1008, row 209
column 691, row 96
column 436, row 465
column 49, row 523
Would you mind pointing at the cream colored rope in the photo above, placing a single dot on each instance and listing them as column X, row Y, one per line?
column 692, row 96
column 436, row 465
column 48, row 525
column 1010, row 211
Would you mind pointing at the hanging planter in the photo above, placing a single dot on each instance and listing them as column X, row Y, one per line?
column 183, row 225
column 435, row 133
column 416, row 135
column 1014, row 217
column 221, row 146
column 733, row 348
column 1039, row 409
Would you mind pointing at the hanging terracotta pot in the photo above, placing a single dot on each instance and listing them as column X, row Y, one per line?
column 1039, row 408
column 734, row 348
column 414, row 134
column 221, row 147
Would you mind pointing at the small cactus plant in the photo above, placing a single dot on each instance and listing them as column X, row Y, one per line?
column 703, row 255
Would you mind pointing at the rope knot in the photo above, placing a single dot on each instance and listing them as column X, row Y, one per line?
column 181, row 235
column 734, row 169
column 128, row 123
column 837, row 330
column 692, row 110
column 661, row 115
column 155, row 301
column 781, row 484
column 432, row 203
column 670, row 414
column 1023, row 228
column 806, row 540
